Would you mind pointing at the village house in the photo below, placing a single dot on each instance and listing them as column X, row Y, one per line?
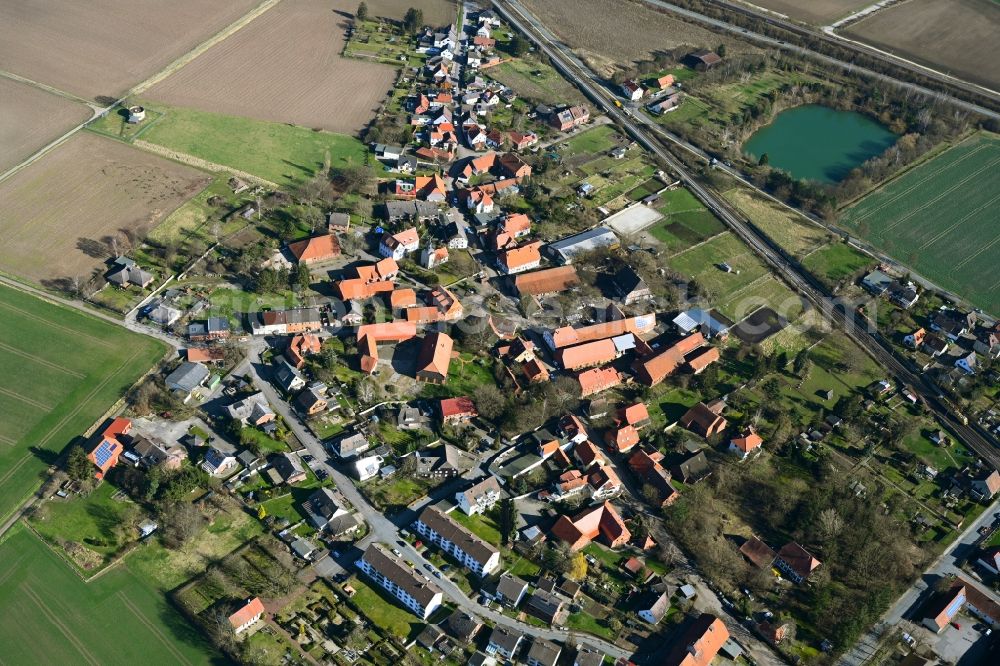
column 543, row 653
column 654, row 605
column 285, row 322
column 546, row 281
column 519, row 259
column 480, row 498
column 796, row 562
column 311, row 402
column 705, row 419
column 323, row 508
column 653, row 367
column 366, row 468
column 445, row 461
column 747, row 444
column 457, row 410
column 602, row 522
column 388, row 572
column 758, row 553
column 985, row 486
column 218, row 462
column 154, row 453
column 434, row 358
column 370, row 335
column 350, row 445
column 397, row 246
column 213, row 328
column 693, row 469
column 569, row 118
column 504, row 641
column 316, row 249
column 252, row 410
column 289, row 468
column 597, row 380
column 648, row 469
column 246, row 616
column 300, row 346
column 457, row 541
column 631, row 90
column 700, row 643
column 186, row 379
column 109, row 446
column 510, row 590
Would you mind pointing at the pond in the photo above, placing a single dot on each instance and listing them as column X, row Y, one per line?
column 815, row 142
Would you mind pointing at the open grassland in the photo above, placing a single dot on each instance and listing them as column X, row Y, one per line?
column 788, row 230
column 817, row 12
column 104, row 47
column 736, row 294
column 56, row 214
column 281, row 153
column 960, row 37
column 535, row 80
column 686, row 222
column 30, row 118
column 61, row 370
column 285, row 66
column 629, row 31
column 940, row 219
column 51, row 616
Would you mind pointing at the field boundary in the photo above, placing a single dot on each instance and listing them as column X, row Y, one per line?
column 197, row 162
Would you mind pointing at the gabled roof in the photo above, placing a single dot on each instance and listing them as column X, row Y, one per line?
column 462, row 406
column 521, row 256
column 748, row 440
column 798, row 559
column 700, row 643
column 435, row 354
column 633, row 414
column 250, row 610
column 759, row 553
column 598, row 379
column 567, row 335
column 587, row 354
column 601, row 521
column 317, row 248
column 547, row 281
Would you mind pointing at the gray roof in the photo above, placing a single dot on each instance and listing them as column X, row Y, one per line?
column 187, row 377
column 446, row 457
column 250, row 408
column 288, row 465
column 461, row 536
column 287, row 376
column 544, row 604
column 510, row 586
column 543, row 652
column 394, row 570
column 348, row 445
column 462, row 625
column 321, row 507
column 589, row 240
column 589, row 657
column 505, row 637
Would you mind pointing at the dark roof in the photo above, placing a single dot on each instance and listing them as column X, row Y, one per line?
column 758, row 552
column 694, row 468
column 459, row 535
column 400, row 574
column 462, row 625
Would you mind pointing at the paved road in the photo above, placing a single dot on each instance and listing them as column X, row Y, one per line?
column 785, row 266
column 384, row 530
column 945, row 565
column 802, row 51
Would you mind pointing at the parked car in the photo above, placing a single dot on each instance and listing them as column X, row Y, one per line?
column 956, row 625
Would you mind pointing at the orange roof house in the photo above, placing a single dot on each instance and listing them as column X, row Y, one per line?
column 457, row 409
column 434, row 358
column 315, row 249
column 110, row 446
column 634, row 415
column 647, row 467
column 705, row 419
column 386, row 269
column 622, row 439
column 654, row 369
column 205, row 354
column 546, row 281
column 517, row 259
column 588, row 354
column 567, row 335
column 479, row 165
column 665, row 81
column 431, row 188
column 370, row 335
column 597, row 380
column 403, row 298
column 356, row 288
column 246, row 616
column 747, row 443
column 300, row 346
column 700, row 644
column 703, row 359
column 603, row 522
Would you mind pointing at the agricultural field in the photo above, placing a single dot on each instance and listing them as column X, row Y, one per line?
column 631, row 32
column 940, row 217
column 816, row 12
column 956, row 36
column 277, row 152
column 76, row 198
column 50, row 395
column 535, row 80
column 297, row 76
column 100, row 49
column 52, row 616
column 30, row 118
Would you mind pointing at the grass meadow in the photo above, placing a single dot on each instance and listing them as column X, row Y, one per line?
column 61, row 370
column 52, row 616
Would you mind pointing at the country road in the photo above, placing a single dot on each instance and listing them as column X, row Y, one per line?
column 785, row 266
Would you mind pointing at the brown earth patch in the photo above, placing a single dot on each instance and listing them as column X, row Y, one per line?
column 56, row 214
column 104, row 47
column 817, row 12
column 30, row 118
column 285, row 66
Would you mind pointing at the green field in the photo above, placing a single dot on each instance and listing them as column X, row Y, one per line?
column 51, row 616
column 940, row 219
column 61, row 370
column 283, row 154
column 686, row 221
column 595, row 140
column 535, row 81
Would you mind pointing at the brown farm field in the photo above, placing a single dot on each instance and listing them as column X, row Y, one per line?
column 56, row 214
column 606, row 34
column 436, row 12
column 817, row 12
column 30, row 118
column 104, row 47
column 960, row 37
column 285, row 66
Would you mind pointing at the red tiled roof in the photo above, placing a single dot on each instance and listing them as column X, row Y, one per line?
column 567, row 335
column 798, row 559
column 356, row 288
column 547, row 280
column 598, row 379
column 462, row 406
column 301, row 345
column 205, row 355
column 633, row 414
column 700, row 644
column 403, row 298
column 623, row 439
column 601, row 521
column 317, row 248
column 704, row 359
column 653, row 370
column 253, row 608
column 435, row 355
column 747, row 441
column 587, row 354
column 521, row 256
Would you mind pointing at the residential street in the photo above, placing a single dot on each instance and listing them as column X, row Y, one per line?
column 384, row 530
column 945, row 565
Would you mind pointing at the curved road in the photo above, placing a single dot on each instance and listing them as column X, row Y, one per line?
column 804, row 283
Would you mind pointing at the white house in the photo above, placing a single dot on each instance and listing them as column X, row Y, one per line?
column 968, row 364
column 399, row 245
column 420, row 596
column 367, row 467
column 479, row 498
column 246, row 616
column 475, row 554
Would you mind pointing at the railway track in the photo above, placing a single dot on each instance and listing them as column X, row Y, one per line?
column 785, row 266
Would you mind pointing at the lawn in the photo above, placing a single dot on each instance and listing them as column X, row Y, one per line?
column 589, row 624
column 480, row 525
column 592, row 141
column 466, row 374
column 51, row 616
column 281, row 153
column 396, row 491
column 959, row 252
column 836, row 262
column 686, row 221
column 384, row 613
column 94, row 521
column 62, row 369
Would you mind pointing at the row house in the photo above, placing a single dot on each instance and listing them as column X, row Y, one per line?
column 472, row 552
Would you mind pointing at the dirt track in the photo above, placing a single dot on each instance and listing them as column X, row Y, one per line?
column 285, row 66
column 30, row 117
column 56, row 213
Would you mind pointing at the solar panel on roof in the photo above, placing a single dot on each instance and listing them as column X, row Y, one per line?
column 103, row 453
